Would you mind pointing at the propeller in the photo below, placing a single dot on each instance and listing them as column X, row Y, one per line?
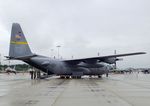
column 117, row 59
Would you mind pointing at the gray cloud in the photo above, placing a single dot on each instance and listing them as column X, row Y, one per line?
column 82, row 27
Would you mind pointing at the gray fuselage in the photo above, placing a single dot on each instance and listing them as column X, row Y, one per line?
column 58, row 67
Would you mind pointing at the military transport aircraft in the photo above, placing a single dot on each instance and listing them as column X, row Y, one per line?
column 19, row 50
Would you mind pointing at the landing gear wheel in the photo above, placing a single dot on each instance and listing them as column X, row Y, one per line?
column 99, row 76
column 67, row 77
column 78, row 77
column 62, row 77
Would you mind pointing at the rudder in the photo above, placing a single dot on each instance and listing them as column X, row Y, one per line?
column 18, row 43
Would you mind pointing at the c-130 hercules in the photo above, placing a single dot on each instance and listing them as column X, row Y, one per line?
column 75, row 68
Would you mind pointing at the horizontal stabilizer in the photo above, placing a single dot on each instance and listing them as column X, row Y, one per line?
column 21, row 57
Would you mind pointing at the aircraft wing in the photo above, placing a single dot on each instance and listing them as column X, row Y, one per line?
column 108, row 59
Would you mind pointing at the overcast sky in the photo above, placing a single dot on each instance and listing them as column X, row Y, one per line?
column 82, row 27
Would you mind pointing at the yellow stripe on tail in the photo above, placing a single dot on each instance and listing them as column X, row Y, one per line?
column 19, row 43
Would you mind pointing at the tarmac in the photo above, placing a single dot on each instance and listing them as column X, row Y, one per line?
column 116, row 90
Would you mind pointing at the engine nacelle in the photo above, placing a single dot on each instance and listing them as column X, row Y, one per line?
column 111, row 60
column 84, row 70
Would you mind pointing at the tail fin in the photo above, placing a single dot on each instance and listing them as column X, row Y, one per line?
column 18, row 44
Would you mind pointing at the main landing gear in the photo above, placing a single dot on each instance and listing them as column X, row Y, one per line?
column 63, row 77
column 76, row 77
column 73, row 77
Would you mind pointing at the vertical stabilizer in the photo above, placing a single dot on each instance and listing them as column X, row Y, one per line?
column 18, row 44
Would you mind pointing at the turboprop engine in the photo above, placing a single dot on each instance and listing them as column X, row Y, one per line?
column 112, row 60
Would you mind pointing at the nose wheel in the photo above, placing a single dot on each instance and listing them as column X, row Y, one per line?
column 76, row 77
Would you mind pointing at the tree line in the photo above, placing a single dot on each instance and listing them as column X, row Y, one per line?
column 18, row 67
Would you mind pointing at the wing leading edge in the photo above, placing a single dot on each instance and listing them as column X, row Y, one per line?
column 101, row 58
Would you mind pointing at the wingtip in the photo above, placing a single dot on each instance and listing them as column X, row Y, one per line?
column 142, row 52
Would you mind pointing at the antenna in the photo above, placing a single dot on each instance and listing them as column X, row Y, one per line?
column 58, row 50
column 98, row 54
column 115, row 64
